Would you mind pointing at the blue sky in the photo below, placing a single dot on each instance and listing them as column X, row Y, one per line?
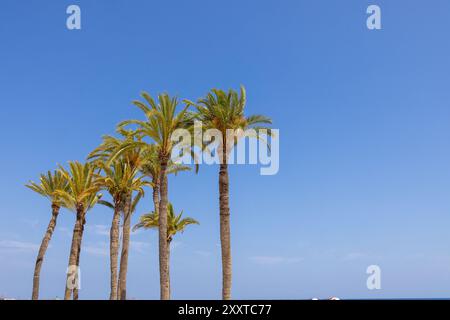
column 364, row 154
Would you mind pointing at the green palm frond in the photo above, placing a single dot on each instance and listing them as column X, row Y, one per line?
column 82, row 186
column 50, row 185
column 174, row 168
column 136, row 200
column 161, row 121
column 222, row 110
column 120, row 178
column 128, row 146
column 106, row 204
column 175, row 223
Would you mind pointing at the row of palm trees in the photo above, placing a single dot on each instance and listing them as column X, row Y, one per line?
column 126, row 165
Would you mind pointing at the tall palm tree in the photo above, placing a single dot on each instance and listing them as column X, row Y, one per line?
column 49, row 184
column 175, row 224
column 80, row 196
column 119, row 179
column 222, row 110
column 113, row 149
column 161, row 121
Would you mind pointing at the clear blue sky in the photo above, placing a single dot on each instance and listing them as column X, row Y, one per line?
column 365, row 141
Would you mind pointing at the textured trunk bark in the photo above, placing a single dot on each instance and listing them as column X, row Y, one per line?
column 156, row 202
column 75, row 290
column 156, row 194
column 168, row 267
column 114, row 249
column 225, row 240
column 125, row 249
column 163, row 259
column 74, row 256
column 43, row 248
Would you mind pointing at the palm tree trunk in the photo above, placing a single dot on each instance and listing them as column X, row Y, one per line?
column 42, row 250
column 163, row 252
column 114, row 249
column 156, row 194
column 125, row 248
column 168, row 266
column 75, row 249
column 225, row 241
column 75, row 290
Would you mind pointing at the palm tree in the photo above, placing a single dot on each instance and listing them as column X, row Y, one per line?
column 175, row 224
column 161, row 121
column 222, row 110
column 119, row 180
column 49, row 184
column 112, row 149
column 80, row 196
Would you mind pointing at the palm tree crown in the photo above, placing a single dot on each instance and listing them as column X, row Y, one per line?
column 175, row 223
column 222, row 111
column 120, row 178
column 49, row 185
column 82, row 189
column 127, row 146
column 161, row 121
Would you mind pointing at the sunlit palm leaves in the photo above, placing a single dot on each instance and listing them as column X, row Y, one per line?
column 120, row 178
column 224, row 111
column 175, row 223
column 161, row 121
column 82, row 186
column 49, row 185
